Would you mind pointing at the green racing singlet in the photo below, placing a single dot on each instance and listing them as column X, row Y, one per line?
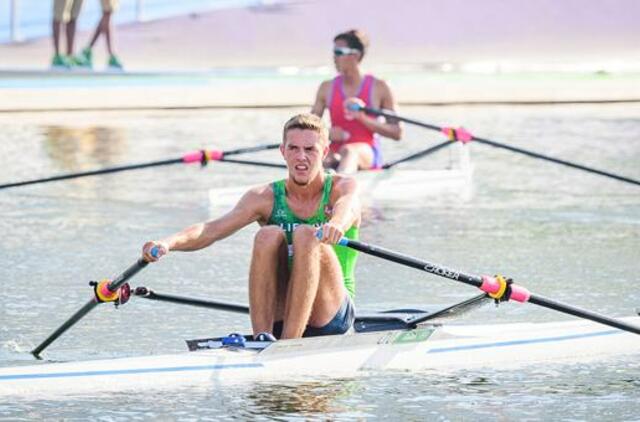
column 282, row 216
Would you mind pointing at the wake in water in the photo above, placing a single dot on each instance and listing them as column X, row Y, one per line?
column 16, row 350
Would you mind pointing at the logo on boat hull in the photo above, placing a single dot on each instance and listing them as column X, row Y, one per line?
column 414, row 336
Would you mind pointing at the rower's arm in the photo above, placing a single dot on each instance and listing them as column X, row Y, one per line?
column 247, row 210
column 346, row 208
column 389, row 128
column 321, row 100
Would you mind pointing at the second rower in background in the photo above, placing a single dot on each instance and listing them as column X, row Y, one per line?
column 354, row 134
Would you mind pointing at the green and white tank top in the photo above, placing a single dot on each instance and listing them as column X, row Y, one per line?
column 284, row 217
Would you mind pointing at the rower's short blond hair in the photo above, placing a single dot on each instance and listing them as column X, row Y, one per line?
column 306, row 121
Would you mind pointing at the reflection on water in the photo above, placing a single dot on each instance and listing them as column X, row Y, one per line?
column 82, row 148
column 305, row 398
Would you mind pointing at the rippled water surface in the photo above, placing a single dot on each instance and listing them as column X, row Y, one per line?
column 563, row 233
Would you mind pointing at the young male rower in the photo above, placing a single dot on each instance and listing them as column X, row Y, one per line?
column 354, row 134
column 298, row 284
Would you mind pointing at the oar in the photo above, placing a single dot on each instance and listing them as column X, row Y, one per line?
column 103, row 291
column 145, row 293
column 464, row 136
column 497, row 287
column 202, row 157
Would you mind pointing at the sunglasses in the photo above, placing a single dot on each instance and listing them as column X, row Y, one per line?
column 344, row 51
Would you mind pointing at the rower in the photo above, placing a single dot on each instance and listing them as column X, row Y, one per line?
column 354, row 134
column 301, row 283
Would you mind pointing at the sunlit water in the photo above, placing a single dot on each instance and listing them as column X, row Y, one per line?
column 564, row 234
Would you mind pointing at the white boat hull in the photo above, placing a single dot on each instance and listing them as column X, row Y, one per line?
column 449, row 347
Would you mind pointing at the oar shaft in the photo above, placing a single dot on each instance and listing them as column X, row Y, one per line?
column 401, row 119
column 412, row 262
column 92, row 173
column 555, row 160
column 80, row 313
column 117, row 282
column 582, row 313
column 114, row 285
column 253, row 163
column 138, row 166
column 478, row 281
column 247, row 150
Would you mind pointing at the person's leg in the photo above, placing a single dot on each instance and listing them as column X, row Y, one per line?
column 106, row 28
column 267, row 278
column 108, row 8
column 58, row 17
column 96, row 34
column 74, row 7
column 315, row 290
column 356, row 156
column 71, row 33
column 55, row 30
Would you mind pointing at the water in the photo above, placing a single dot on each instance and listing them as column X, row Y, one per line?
column 34, row 16
column 562, row 233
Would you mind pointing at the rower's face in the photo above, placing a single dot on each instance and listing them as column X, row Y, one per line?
column 344, row 61
column 304, row 150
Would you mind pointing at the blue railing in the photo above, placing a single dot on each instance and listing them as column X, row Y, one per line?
column 25, row 19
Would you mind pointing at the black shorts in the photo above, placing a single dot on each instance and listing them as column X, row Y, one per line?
column 340, row 324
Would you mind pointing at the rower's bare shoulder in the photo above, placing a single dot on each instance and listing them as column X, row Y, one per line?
column 384, row 97
column 258, row 199
column 325, row 84
column 383, row 88
column 262, row 190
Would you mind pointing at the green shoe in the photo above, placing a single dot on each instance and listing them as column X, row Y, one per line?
column 76, row 62
column 114, row 63
column 85, row 58
column 60, row 62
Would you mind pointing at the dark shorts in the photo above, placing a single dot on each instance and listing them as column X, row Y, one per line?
column 340, row 324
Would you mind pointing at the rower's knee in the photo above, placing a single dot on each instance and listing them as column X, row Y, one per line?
column 269, row 237
column 304, row 236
